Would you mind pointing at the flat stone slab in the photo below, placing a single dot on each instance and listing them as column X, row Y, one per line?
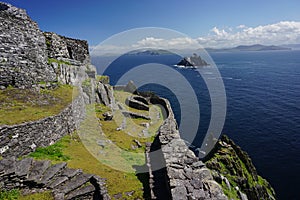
column 8, row 166
column 39, row 167
column 81, row 192
column 70, row 173
column 57, row 182
column 23, row 167
column 51, row 172
column 75, row 182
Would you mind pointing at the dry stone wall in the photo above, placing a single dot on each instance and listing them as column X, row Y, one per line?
column 23, row 57
column 21, row 139
column 175, row 172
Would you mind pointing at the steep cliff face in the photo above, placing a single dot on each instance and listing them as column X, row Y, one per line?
column 23, row 57
column 233, row 169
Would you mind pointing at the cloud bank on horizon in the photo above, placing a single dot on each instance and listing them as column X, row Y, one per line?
column 284, row 32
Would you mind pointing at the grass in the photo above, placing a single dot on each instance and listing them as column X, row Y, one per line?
column 23, row 105
column 233, row 168
column 53, row 152
column 15, row 194
column 115, row 161
column 9, row 195
column 102, row 78
column 37, row 196
column 53, row 60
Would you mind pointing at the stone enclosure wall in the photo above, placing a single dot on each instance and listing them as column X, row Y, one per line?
column 21, row 139
column 174, row 170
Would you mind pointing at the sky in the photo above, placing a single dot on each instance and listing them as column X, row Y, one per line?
column 212, row 23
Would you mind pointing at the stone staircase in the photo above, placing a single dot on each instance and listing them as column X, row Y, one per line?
column 38, row 176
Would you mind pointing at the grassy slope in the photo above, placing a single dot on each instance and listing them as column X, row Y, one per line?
column 118, row 162
column 23, row 105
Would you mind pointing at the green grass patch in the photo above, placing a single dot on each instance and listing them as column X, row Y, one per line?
column 102, row 78
column 53, row 152
column 23, row 105
column 9, row 195
column 53, row 60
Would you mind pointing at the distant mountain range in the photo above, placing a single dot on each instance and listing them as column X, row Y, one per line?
column 255, row 47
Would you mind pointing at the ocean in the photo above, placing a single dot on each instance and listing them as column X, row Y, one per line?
column 263, row 107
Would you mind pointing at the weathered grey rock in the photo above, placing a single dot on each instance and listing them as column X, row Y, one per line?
column 179, row 193
column 137, row 104
column 51, row 172
column 86, row 191
column 57, row 181
column 39, row 167
column 130, row 87
column 23, row 167
column 108, row 116
column 135, row 115
column 75, row 183
column 71, row 172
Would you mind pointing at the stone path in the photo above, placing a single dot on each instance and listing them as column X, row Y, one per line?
column 65, row 183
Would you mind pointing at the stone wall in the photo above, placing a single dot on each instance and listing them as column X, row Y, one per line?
column 64, row 47
column 38, row 176
column 175, row 171
column 23, row 57
column 21, row 139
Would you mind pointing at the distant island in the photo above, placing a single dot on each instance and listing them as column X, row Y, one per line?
column 255, row 47
column 150, row 52
column 193, row 61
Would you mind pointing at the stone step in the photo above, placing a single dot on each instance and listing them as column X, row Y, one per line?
column 57, row 182
column 75, row 182
column 51, row 172
column 23, row 167
column 81, row 192
column 38, row 168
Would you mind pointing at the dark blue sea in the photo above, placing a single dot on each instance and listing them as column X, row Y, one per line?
column 263, row 107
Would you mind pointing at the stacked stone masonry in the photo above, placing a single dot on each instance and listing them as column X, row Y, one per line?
column 23, row 57
column 21, row 139
column 65, row 183
column 175, row 172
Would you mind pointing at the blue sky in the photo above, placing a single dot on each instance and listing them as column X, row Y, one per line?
column 96, row 20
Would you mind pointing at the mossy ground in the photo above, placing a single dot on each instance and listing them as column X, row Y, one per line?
column 23, row 105
column 116, row 161
column 16, row 195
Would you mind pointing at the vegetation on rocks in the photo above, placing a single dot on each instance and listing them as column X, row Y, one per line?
column 233, row 169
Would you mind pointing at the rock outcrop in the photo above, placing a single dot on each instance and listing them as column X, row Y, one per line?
column 232, row 168
column 193, row 61
column 65, row 183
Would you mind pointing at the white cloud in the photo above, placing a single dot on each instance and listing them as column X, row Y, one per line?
column 285, row 32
